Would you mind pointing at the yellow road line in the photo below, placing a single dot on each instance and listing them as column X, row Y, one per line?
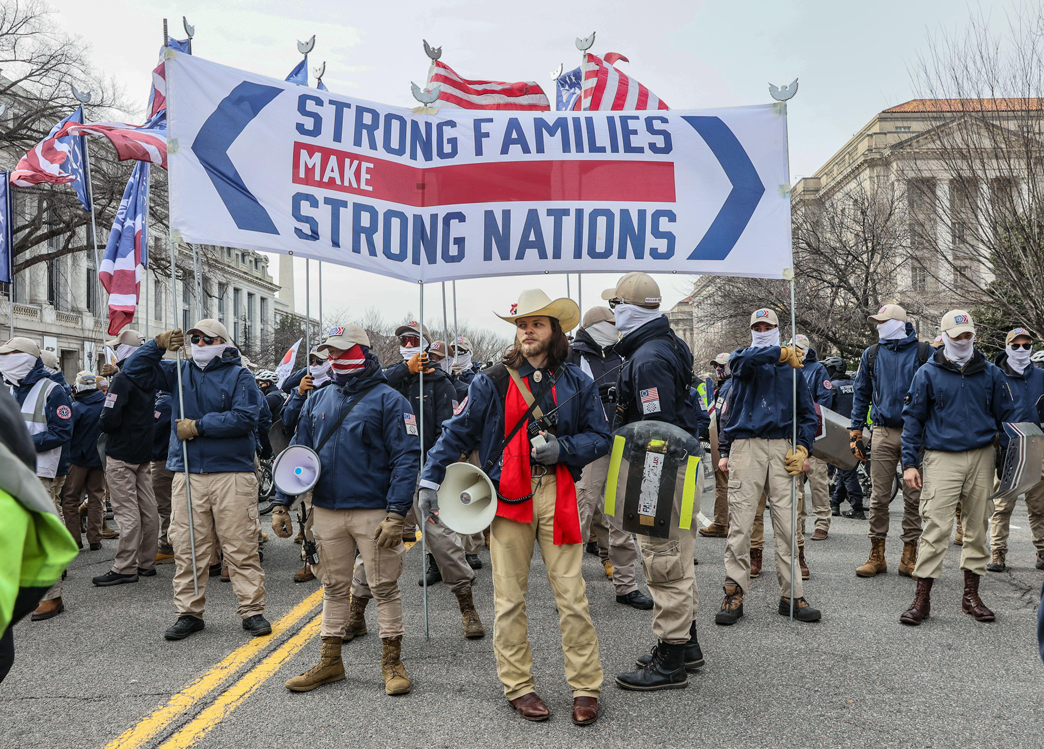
column 136, row 736
column 236, row 694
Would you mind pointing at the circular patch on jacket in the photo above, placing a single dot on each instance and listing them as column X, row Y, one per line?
column 828, row 385
column 64, row 412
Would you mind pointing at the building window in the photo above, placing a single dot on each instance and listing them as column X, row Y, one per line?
column 902, row 128
column 91, row 288
column 157, row 289
column 237, row 312
column 250, row 317
column 918, row 278
column 222, row 290
column 263, row 318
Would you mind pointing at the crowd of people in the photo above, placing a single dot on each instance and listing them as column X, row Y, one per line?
column 174, row 434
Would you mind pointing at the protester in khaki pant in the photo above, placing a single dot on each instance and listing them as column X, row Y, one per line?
column 216, row 431
column 954, row 411
column 162, row 479
column 538, row 484
column 758, row 454
column 85, row 466
column 366, row 437
column 818, row 483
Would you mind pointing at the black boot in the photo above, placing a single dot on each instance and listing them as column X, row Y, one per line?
column 855, row 514
column 473, row 561
column 591, row 547
column 666, row 670
column 433, row 575
column 183, row 627
column 693, row 653
column 835, row 510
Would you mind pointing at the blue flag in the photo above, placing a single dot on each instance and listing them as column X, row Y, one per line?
column 76, row 162
column 567, row 90
column 6, row 230
column 321, row 86
column 299, row 75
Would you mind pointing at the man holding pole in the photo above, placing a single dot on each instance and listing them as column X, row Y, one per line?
column 217, row 425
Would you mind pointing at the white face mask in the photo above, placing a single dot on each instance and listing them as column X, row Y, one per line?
column 320, row 373
column 891, row 330
column 123, row 350
column 16, row 366
column 82, row 387
column 959, row 352
column 1018, row 359
column 408, row 352
column 463, row 363
column 603, row 333
column 764, row 340
column 630, row 317
column 203, row 355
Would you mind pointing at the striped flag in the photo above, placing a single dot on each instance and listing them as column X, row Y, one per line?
column 606, row 88
column 121, row 267
column 58, row 160
column 460, row 93
column 146, row 142
column 158, row 94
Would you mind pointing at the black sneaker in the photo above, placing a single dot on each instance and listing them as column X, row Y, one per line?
column 257, row 625
column 1040, row 562
column 835, row 510
column 473, row 561
column 636, row 600
column 855, row 514
column 183, row 627
column 215, row 570
column 802, row 611
column 113, row 578
column 591, row 547
column 142, row 572
column 433, row 574
column 96, row 546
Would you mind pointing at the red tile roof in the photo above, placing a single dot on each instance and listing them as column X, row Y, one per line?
column 967, row 105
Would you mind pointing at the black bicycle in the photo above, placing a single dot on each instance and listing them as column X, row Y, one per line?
column 265, row 487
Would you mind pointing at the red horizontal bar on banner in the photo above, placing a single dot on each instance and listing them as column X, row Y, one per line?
column 495, row 182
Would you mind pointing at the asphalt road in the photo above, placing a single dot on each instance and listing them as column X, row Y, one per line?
column 101, row 674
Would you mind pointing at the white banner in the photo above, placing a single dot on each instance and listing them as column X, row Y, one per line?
column 286, row 366
column 267, row 165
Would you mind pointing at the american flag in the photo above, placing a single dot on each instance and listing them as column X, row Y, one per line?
column 58, row 159
column 460, row 93
column 146, row 142
column 567, row 90
column 606, row 88
column 121, row 267
column 652, row 394
column 158, row 94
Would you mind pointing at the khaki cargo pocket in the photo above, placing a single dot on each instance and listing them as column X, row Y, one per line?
column 663, row 565
column 927, row 495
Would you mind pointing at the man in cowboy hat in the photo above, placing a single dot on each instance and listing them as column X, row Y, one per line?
column 534, row 392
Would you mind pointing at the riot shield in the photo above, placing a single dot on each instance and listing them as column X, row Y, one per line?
column 279, row 438
column 1022, row 461
column 655, row 480
column 832, row 442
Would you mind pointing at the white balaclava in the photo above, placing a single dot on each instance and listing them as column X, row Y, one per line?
column 203, row 355
column 959, row 352
column 603, row 333
column 15, row 366
column 1018, row 359
column 764, row 340
column 630, row 317
column 123, row 350
column 320, row 372
column 891, row 330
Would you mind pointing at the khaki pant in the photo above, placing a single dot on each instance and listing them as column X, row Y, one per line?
column 885, row 454
column 54, row 489
column 91, row 480
column 949, row 478
column 818, row 485
column 671, row 573
column 757, row 533
column 1001, row 519
column 339, row 534
column 755, row 466
column 134, row 510
column 721, row 498
column 511, row 552
column 224, row 512
column 615, row 545
column 162, row 480
column 472, row 543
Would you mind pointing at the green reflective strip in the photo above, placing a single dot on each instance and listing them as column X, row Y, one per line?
column 689, row 494
column 614, row 475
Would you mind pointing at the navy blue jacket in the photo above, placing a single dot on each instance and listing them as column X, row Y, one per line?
column 439, row 397
column 894, row 370
column 818, row 380
column 264, row 423
column 844, row 393
column 605, row 363
column 702, row 417
column 161, row 426
column 59, row 420
column 275, row 399
column 462, row 380
column 128, row 419
column 86, row 409
column 761, row 400
column 582, row 431
column 1026, row 390
column 654, row 357
column 371, row 462
column 291, row 411
column 290, row 383
column 223, row 399
column 64, row 459
column 953, row 410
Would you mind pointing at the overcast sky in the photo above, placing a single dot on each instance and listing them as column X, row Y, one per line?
column 853, row 60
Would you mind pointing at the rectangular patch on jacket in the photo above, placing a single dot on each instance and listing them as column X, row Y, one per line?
column 411, row 424
column 460, row 406
column 650, row 401
column 110, row 399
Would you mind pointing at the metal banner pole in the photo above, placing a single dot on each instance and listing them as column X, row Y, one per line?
column 322, row 325
column 793, row 447
column 580, row 292
column 420, row 437
column 308, row 312
column 10, row 252
column 445, row 319
column 569, row 292
column 197, row 282
column 94, row 227
column 456, row 334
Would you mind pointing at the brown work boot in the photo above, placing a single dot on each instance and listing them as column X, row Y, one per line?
column 922, row 604
column 908, row 560
column 608, row 567
column 820, row 535
column 715, row 530
column 396, row 680
column 998, row 561
column 163, row 557
column 958, row 537
column 304, row 575
column 48, row 610
column 473, row 628
column 876, row 564
column 107, row 532
column 805, row 573
column 329, row 669
column 299, row 538
column 731, row 607
column 755, row 563
column 971, row 603
column 356, row 619
column 485, row 537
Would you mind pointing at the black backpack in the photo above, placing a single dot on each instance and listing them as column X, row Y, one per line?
column 924, row 353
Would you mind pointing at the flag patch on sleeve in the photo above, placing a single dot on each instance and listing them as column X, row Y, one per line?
column 650, row 400
column 411, row 424
column 110, row 399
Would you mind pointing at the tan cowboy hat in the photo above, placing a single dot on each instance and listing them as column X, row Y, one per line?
column 534, row 303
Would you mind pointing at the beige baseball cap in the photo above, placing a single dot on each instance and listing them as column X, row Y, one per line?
column 889, row 312
column 410, row 327
column 635, row 288
column 437, row 351
column 764, row 315
column 801, row 341
column 320, row 355
column 463, row 343
column 49, row 359
column 344, row 337
column 1015, row 333
column 21, row 345
column 209, row 327
column 596, row 315
column 127, row 337
column 86, row 379
column 957, row 321
column 722, row 359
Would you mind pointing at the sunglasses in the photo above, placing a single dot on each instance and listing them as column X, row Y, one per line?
column 409, row 340
column 1017, row 346
column 614, row 302
column 206, row 340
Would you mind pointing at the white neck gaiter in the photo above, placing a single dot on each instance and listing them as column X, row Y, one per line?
column 630, row 317
column 891, row 330
column 203, row 355
column 408, row 352
column 16, row 366
column 463, row 363
column 1018, row 359
column 959, row 352
column 603, row 333
column 320, row 373
column 764, row 340
column 123, row 350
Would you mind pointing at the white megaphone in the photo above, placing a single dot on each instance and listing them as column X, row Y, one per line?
column 296, row 470
column 467, row 499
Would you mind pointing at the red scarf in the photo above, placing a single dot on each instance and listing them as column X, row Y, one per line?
column 515, row 477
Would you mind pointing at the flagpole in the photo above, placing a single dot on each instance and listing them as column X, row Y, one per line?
column 420, row 437
column 580, row 292
column 445, row 319
column 308, row 311
column 94, row 228
column 321, row 324
column 456, row 334
column 9, row 243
